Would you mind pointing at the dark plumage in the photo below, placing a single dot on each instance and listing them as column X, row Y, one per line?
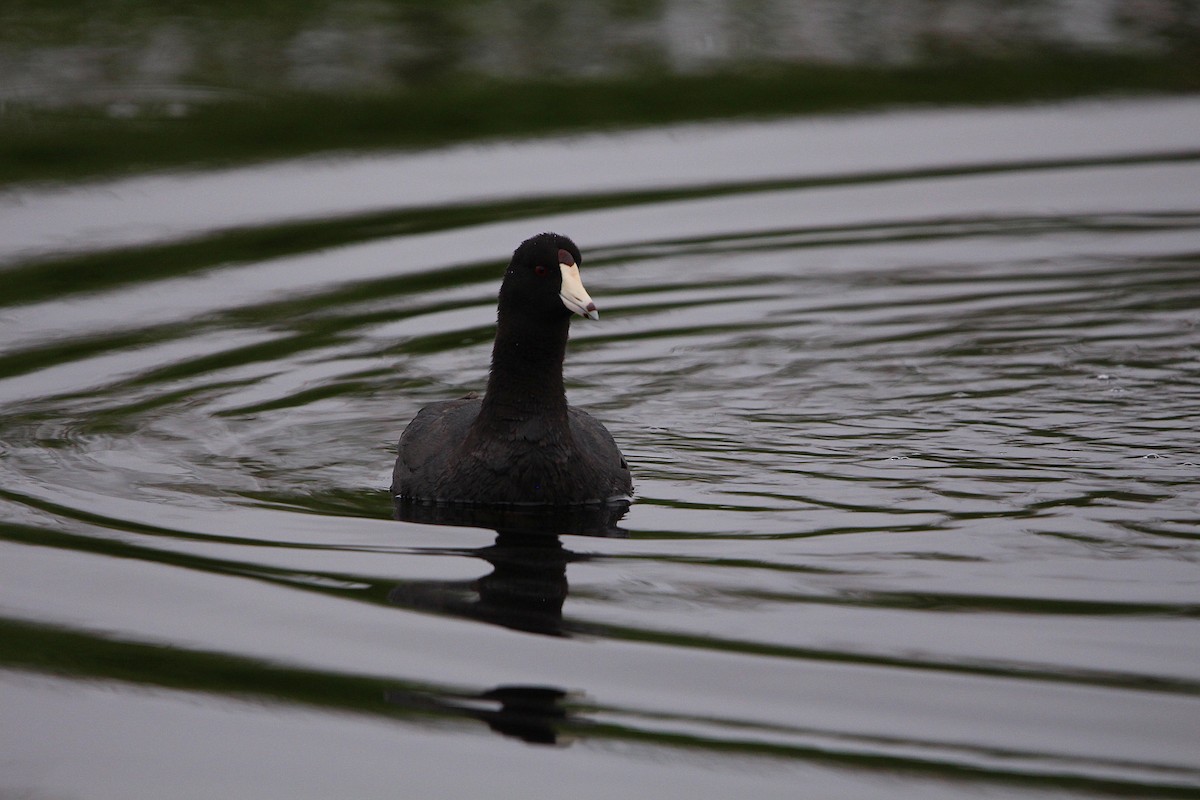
column 520, row 443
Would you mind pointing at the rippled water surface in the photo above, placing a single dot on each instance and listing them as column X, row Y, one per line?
column 912, row 402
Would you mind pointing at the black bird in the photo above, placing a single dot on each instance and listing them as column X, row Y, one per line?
column 521, row 444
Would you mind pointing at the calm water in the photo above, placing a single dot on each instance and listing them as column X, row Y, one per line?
column 913, row 405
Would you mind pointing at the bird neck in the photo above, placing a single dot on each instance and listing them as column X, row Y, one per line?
column 526, row 376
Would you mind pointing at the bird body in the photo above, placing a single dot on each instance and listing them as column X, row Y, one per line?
column 520, row 444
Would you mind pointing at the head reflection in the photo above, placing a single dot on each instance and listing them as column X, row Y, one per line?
column 533, row 714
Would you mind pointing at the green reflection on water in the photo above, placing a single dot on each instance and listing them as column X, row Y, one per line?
column 128, row 85
column 42, row 143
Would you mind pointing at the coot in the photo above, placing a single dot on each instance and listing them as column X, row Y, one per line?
column 521, row 444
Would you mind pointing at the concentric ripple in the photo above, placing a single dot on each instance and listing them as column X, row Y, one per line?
column 915, row 442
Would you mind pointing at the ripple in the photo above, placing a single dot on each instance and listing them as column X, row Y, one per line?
column 915, row 445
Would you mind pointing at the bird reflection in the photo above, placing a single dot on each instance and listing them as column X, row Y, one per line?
column 528, row 584
column 525, row 591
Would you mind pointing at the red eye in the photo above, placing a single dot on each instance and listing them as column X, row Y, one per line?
column 539, row 270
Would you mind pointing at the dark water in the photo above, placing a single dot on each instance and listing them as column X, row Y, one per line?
column 912, row 402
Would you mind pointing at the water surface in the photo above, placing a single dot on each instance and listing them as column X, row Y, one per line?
column 911, row 401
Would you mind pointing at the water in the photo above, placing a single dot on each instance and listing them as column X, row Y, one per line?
column 137, row 58
column 911, row 399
